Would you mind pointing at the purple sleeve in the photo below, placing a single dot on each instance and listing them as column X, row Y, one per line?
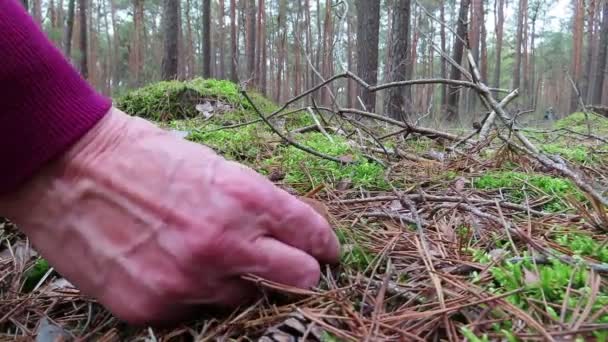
column 45, row 105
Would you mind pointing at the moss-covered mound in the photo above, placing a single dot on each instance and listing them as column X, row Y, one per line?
column 171, row 100
column 578, row 122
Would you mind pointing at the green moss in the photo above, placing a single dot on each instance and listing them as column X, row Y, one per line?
column 169, row 100
column 353, row 255
column 302, row 167
column 573, row 153
column 577, row 122
column 245, row 144
column 584, row 245
column 513, row 183
column 545, row 283
column 35, row 273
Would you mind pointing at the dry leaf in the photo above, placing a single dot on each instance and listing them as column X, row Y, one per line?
column 460, row 184
column 531, row 277
column 48, row 332
column 349, row 158
column 396, row 205
column 344, row 185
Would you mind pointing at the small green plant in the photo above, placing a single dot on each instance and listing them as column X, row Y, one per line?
column 584, row 245
column 353, row 255
column 573, row 153
column 514, row 183
column 302, row 167
column 544, row 283
column 35, row 273
column 243, row 144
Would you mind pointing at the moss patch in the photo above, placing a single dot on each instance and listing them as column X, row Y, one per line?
column 302, row 167
column 170, row 100
column 577, row 122
column 514, row 183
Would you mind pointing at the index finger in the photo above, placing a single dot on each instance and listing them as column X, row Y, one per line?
column 285, row 217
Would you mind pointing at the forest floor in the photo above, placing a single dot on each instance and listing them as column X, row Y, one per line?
column 477, row 243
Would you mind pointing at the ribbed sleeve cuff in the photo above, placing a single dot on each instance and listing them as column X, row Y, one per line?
column 45, row 105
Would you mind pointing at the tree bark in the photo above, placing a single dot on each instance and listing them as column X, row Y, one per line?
column 250, row 21
column 518, row 38
column 368, row 26
column 398, row 106
column 598, row 83
column 500, row 20
column 590, row 39
column 206, row 38
column 461, row 30
column 222, row 40
column 234, row 57
column 328, row 60
column 84, row 67
column 171, row 36
column 577, row 50
column 444, row 66
column 69, row 29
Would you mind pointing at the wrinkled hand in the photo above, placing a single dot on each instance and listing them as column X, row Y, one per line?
column 154, row 226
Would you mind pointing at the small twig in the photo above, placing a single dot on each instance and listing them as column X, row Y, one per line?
column 290, row 141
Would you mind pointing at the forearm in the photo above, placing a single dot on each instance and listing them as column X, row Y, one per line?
column 46, row 106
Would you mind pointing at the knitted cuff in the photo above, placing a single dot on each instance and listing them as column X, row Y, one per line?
column 45, row 105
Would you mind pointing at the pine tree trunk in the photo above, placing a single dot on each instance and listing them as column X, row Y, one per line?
column 368, row 26
column 453, row 96
column 206, row 38
column 69, row 28
column 444, row 66
column 398, row 106
column 518, row 42
column 577, row 51
column 598, row 83
column 327, row 69
column 500, row 20
column 586, row 83
column 84, row 66
column 222, row 40
column 234, row 57
column 352, row 86
column 37, row 11
column 250, row 21
column 171, row 36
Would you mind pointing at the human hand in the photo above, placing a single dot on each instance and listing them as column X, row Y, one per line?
column 153, row 226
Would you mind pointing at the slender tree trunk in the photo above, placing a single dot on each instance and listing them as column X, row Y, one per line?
column 222, row 40
column 368, row 26
column 398, row 106
column 598, row 83
column 116, row 43
column 69, row 28
column 259, row 43
column 84, row 66
column 37, row 11
column 282, row 37
column 585, row 91
column 484, row 47
column 328, row 59
column 234, row 57
column 352, row 86
column 577, row 50
column 452, row 110
column 250, row 20
column 264, row 47
column 26, row 4
column 444, row 66
column 523, row 6
column 137, row 48
column 500, row 20
column 206, row 38
column 171, row 36
column 310, row 78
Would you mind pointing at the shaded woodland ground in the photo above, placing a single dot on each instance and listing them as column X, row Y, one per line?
column 493, row 228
